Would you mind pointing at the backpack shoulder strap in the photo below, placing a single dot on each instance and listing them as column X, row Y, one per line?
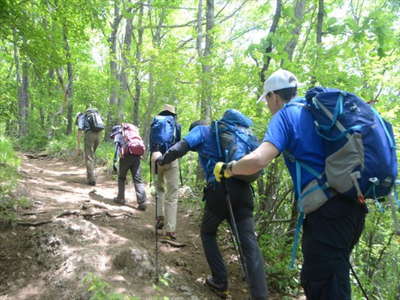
column 216, row 130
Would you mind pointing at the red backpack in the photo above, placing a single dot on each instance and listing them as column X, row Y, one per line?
column 132, row 142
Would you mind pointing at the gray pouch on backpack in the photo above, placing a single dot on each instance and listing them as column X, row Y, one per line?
column 341, row 164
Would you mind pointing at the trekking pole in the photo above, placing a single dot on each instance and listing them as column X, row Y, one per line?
column 150, row 169
column 155, row 226
column 358, row 282
column 235, row 237
column 180, row 172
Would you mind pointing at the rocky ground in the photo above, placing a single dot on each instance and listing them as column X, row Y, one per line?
column 73, row 238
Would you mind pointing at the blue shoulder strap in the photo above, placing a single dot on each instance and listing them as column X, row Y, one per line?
column 300, row 219
column 217, row 138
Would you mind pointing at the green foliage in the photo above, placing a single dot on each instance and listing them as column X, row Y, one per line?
column 376, row 259
column 61, row 146
column 35, row 141
column 7, row 155
column 165, row 279
column 100, row 290
column 64, row 146
column 9, row 162
column 105, row 154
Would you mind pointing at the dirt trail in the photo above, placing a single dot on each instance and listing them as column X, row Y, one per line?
column 73, row 229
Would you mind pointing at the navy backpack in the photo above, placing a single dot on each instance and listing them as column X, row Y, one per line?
column 235, row 139
column 360, row 146
column 93, row 120
column 163, row 132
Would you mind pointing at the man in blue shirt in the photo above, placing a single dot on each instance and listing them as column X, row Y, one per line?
column 333, row 223
column 201, row 140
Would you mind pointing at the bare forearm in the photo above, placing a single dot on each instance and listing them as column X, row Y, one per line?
column 255, row 161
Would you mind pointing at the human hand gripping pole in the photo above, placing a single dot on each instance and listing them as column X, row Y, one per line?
column 223, row 170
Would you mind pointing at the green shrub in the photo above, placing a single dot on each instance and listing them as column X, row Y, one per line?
column 61, row 146
column 7, row 153
column 105, row 153
column 35, row 141
column 9, row 163
column 100, row 290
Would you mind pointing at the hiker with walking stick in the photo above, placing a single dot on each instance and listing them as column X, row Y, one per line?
column 339, row 152
column 235, row 192
column 164, row 133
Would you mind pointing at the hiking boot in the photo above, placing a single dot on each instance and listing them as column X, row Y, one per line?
column 142, row 206
column 119, row 200
column 221, row 289
column 160, row 222
column 170, row 236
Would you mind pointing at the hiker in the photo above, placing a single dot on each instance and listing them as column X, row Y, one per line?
column 329, row 232
column 129, row 148
column 91, row 123
column 202, row 140
column 164, row 133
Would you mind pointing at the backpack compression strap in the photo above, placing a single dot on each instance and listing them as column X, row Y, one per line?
column 334, row 120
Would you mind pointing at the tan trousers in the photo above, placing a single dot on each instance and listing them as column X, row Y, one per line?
column 91, row 143
column 167, row 184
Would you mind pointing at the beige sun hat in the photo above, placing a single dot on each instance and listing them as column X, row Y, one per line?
column 170, row 108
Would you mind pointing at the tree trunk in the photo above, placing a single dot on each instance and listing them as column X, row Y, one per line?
column 205, row 57
column 22, row 90
column 69, row 89
column 112, row 112
column 298, row 20
column 24, row 100
column 138, row 56
column 152, row 101
column 306, row 39
column 272, row 30
column 199, row 38
column 320, row 21
column 207, row 83
column 125, row 91
column 199, row 28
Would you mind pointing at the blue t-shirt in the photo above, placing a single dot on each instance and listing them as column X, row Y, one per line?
column 201, row 140
column 292, row 129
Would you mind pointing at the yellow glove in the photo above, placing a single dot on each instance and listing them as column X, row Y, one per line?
column 222, row 170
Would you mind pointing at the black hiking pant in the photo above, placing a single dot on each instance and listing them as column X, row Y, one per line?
column 215, row 212
column 131, row 163
column 329, row 236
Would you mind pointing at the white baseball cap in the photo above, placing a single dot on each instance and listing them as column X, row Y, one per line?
column 278, row 80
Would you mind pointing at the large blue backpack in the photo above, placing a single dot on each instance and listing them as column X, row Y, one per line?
column 235, row 139
column 163, row 132
column 360, row 146
column 360, row 151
